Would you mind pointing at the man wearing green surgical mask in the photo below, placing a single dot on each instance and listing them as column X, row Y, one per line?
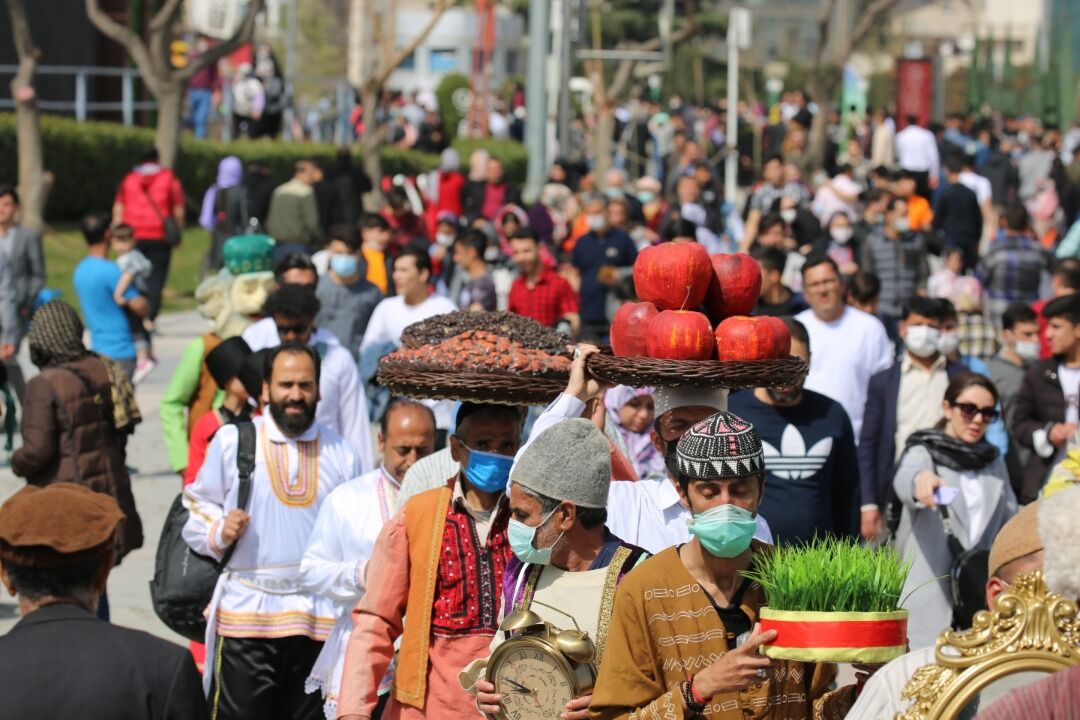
column 683, row 639
column 565, row 558
column 436, row 575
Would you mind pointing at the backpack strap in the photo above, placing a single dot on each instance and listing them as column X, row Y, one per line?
column 245, row 464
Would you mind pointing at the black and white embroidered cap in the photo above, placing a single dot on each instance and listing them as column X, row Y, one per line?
column 720, row 446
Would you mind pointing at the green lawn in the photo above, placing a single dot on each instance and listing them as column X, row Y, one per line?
column 65, row 247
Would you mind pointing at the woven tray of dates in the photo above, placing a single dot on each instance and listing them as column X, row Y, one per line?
column 525, row 331
column 476, row 366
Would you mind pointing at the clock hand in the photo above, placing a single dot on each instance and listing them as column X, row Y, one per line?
column 519, row 686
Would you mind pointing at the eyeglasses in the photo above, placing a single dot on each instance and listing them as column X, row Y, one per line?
column 298, row 329
column 968, row 411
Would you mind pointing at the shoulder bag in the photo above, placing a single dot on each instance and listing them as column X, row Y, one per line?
column 168, row 222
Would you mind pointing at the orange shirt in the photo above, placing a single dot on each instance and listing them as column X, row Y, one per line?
column 376, row 268
column 920, row 215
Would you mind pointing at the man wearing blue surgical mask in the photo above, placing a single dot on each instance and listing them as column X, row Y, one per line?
column 346, row 298
column 565, row 558
column 683, row 639
column 439, row 564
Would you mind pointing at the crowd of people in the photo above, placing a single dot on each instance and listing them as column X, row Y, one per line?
column 934, row 293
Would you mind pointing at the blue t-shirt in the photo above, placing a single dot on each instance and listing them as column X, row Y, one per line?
column 592, row 252
column 811, row 469
column 95, row 282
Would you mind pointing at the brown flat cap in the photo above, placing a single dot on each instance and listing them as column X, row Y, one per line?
column 1017, row 538
column 59, row 525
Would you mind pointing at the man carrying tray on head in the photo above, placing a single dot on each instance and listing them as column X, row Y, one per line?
column 684, row 639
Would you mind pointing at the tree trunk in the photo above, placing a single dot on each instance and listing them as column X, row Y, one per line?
column 370, row 145
column 170, row 102
column 602, row 145
column 34, row 181
column 822, row 90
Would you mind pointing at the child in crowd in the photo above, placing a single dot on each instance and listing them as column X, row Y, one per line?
column 135, row 269
column 942, row 284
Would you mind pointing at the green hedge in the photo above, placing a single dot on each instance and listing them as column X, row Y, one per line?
column 89, row 159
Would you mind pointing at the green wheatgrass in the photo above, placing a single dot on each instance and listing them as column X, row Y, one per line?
column 831, row 576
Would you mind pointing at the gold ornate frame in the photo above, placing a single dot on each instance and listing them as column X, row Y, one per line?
column 1030, row 629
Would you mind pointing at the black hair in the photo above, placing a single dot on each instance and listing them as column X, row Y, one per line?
column 94, row 227
column 770, row 258
column 71, row 582
column 9, row 190
column 1066, row 306
column 526, row 233
column 948, row 310
column 815, row 259
column 421, row 258
column 373, row 220
column 149, row 155
column 293, row 261
column 1016, row 217
column 894, row 201
column 473, row 238
column 680, row 228
column 797, row 330
column 291, row 348
column 769, row 221
column 912, row 119
column 400, row 403
column 292, row 301
column 965, row 380
column 864, row 287
column 884, row 172
column 251, row 372
column 346, row 234
column 1018, row 312
column 954, row 163
column 927, row 307
column 1067, row 270
column 396, row 198
column 500, row 412
column 775, row 157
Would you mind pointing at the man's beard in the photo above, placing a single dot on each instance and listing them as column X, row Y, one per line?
column 785, row 396
column 293, row 424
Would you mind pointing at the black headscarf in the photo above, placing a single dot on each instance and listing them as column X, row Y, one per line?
column 954, row 454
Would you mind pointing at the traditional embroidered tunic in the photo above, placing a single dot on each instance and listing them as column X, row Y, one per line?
column 665, row 629
column 335, row 563
column 259, row 595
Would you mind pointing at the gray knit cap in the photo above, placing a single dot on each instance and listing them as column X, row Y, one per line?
column 569, row 461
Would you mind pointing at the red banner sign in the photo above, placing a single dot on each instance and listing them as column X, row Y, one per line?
column 914, row 91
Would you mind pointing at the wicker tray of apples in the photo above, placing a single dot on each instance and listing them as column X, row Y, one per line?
column 692, row 325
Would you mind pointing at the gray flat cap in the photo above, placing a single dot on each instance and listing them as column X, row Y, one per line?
column 569, row 461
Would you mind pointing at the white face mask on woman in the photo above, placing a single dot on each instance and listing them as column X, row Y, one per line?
column 949, row 342
column 842, row 235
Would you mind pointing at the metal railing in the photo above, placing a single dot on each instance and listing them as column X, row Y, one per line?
column 80, row 104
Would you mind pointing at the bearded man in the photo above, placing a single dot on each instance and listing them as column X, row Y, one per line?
column 264, row 631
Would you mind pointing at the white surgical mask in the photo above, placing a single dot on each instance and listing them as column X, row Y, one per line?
column 842, row 235
column 1028, row 350
column 491, row 253
column 596, row 222
column 902, row 224
column 949, row 342
column 789, row 215
column 446, row 239
column 922, row 340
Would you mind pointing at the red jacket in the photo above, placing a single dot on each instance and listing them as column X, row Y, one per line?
column 163, row 189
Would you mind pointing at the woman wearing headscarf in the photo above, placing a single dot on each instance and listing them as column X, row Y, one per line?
column 77, row 414
column 225, row 210
column 630, row 415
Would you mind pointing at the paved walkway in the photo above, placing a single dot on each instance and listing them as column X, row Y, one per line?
column 155, row 485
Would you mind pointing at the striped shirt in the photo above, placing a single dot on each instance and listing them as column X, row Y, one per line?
column 1012, row 268
column 900, row 264
column 1055, row 698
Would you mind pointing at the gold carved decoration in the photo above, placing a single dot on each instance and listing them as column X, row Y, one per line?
column 1030, row 629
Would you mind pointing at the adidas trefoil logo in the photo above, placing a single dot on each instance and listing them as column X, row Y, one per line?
column 792, row 461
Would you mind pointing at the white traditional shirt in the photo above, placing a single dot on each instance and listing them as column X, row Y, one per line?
column 259, row 595
column 343, row 402
column 334, row 566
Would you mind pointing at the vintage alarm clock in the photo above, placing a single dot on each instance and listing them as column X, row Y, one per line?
column 540, row 668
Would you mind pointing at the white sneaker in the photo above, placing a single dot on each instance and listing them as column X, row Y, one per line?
column 142, row 369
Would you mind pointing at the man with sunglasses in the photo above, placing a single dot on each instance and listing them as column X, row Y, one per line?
column 293, row 308
column 1046, row 412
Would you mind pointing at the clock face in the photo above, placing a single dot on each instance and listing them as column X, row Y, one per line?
column 533, row 684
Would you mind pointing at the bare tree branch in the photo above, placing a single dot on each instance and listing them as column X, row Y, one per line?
column 129, row 40
column 626, row 67
column 383, row 74
column 824, row 23
column 243, row 35
column 163, row 18
column 868, row 20
column 27, row 53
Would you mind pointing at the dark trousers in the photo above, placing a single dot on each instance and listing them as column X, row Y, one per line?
column 159, row 254
column 263, row 679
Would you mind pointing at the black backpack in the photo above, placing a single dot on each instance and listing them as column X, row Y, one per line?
column 184, row 580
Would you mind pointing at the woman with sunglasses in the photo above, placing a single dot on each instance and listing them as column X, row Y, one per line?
column 949, row 476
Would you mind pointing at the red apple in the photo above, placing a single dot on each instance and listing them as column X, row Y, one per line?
column 735, row 286
column 673, row 276
column 630, row 328
column 680, row 335
column 752, row 338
